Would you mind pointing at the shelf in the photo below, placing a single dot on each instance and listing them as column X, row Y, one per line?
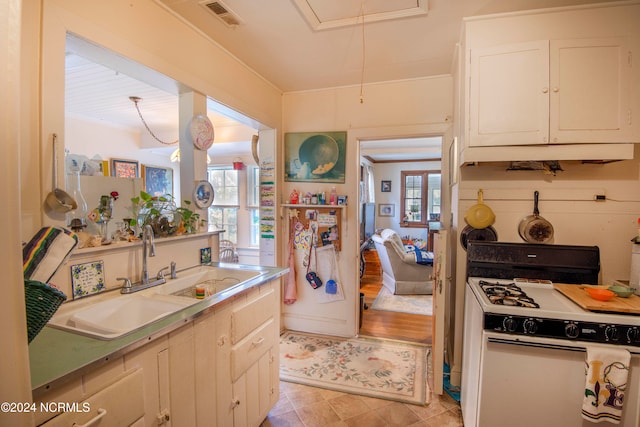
column 299, row 205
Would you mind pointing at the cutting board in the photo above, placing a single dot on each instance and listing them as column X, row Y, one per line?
column 577, row 294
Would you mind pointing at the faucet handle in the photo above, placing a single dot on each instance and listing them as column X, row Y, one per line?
column 173, row 270
column 160, row 274
column 127, row 282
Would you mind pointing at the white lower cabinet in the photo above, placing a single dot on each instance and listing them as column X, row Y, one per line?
column 117, row 405
column 220, row 370
column 245, row 335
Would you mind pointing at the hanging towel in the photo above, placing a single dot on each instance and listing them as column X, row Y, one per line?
column 290, row 287
column 46, row 251
column 607, row 371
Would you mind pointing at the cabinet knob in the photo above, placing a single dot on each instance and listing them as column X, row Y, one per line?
column 545, row 90
column 235, row 403
column 555, row 89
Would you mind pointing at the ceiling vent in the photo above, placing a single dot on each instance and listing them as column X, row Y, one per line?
column 222, row 12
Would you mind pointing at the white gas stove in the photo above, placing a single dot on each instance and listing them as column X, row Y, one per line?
column 533, row 307
column 525, row 342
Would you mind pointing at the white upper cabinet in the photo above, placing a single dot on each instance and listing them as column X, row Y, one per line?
column 590, row 86
column 509, row 96
column 550, row 92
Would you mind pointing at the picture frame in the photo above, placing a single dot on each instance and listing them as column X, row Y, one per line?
column 315, row 156
column 157, row 180
column 385, row 186
column 386, row 209
column 123, row 168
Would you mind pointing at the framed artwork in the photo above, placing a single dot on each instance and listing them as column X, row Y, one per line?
column 385, row 186
column 315, row 156
column 122, row 168
column 157, row 180
column 386, row 210
column 104, row 167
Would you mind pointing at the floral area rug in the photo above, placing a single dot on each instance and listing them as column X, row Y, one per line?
column 414, row 304
column 376, row 368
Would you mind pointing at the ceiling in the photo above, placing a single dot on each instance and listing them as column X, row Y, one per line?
column 294, row 44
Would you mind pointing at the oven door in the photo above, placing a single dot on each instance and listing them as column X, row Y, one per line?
column 530, row 381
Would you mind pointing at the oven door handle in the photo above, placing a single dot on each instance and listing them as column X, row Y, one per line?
column 548, row 345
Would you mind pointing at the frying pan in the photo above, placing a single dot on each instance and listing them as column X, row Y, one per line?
column 487, row 234
column 534, row 228
column 480, row 215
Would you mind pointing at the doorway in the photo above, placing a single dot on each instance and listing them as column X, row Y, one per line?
column 384, row 164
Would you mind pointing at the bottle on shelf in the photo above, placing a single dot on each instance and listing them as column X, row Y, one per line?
column 333, row 196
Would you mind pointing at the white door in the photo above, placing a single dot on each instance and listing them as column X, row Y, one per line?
column 440, row 291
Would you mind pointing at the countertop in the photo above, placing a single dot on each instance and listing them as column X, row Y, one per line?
column 55, row 354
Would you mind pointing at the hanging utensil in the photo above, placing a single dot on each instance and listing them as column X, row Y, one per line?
column 58, row 200
column 469, row 233
column 480, row 215
column 534, row 228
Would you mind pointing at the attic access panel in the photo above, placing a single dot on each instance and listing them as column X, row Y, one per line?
column 325, row 14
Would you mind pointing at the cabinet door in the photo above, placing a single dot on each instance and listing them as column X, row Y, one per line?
column 120, row 404
column 153, row 358
column 509, row 95
column 590, row 86
column 253, row 392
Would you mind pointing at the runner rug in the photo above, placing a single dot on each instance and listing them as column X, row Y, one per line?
column 377, row 368
column 414, row 304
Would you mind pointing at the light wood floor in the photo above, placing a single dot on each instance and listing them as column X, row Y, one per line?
column 388, row 324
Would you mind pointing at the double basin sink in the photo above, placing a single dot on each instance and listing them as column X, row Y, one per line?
column 113, row 315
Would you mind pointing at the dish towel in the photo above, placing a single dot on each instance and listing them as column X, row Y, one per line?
column 607, row 371
column 46, row 251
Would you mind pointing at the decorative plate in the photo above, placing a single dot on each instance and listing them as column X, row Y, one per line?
column 201, row 132
column 203, row 194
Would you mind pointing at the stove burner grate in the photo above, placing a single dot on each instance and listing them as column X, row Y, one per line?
column 507, row 294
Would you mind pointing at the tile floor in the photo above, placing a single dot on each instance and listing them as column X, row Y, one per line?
column 304, row 406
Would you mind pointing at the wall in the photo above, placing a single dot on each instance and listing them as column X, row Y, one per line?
column 195, row 61
column 408, row 108
column 392, row 172
column 566, row 200
column 14, row 370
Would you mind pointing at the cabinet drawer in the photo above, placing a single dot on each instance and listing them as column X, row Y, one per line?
column 249, row 350
column 246, row 318
column 121, row 404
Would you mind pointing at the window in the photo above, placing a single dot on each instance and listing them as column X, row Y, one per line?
column 223, row 213
column 420, row 197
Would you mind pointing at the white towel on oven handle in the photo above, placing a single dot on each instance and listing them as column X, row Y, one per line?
column 607, row 372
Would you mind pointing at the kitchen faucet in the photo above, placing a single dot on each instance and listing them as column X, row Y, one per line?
column 147, row 236
column 148, row 249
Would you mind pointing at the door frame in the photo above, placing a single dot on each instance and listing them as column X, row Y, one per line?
column 354, row 136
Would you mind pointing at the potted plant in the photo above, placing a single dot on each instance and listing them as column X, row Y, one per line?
column 158, row 211
column 190, row 219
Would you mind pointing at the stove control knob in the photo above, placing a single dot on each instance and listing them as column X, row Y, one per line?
column 530, row 326
column 571, row 330
column 611, row 333
column 509, row 324
column 633, row 335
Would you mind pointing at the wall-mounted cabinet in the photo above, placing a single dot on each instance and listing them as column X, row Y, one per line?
column 559, row 91
column 554, row 85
